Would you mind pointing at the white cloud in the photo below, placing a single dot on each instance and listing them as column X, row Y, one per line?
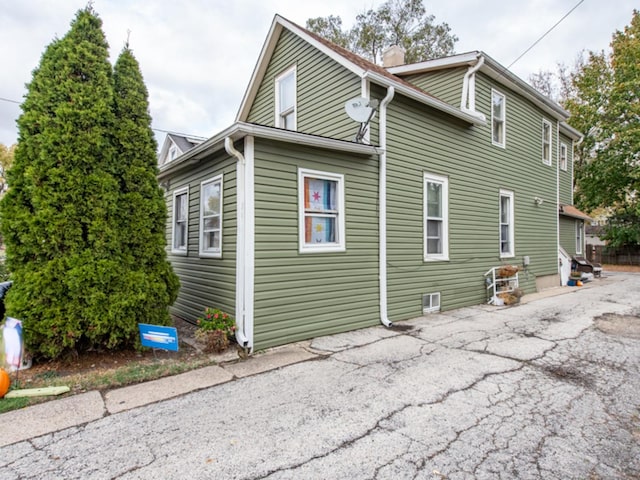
column 197, row 56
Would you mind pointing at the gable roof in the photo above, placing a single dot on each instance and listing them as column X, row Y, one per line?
column 492, row 69
column 349, row 60
column 182, row 142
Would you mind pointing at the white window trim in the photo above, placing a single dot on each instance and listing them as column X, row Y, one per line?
column 547, row 161
column 444, row 181
column 579, row 237
column 213, row 253
column 340, row 245
column 279, row 118
column 502, row 144
column 564, row 156
column 179, row 251
column 512, row 251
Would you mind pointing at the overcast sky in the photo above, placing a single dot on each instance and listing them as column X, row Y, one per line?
column 197, row 56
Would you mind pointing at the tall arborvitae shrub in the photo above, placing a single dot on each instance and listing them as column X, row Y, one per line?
column 142, row 212
column 61, row 217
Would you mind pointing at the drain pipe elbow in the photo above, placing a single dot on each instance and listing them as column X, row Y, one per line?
column 240, row 335
column 467, row 102
column 384, row 318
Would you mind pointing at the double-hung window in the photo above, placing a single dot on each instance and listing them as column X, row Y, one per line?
column 563, row 156
column 506, row 224
column 286, row 99
column 321, row 211
column 436, row 228
column 211, row 217
column 180, row 221
column 579, row 236
column 498, row 118
column 546, row 142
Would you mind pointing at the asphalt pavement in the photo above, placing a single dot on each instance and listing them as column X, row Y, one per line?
column 549, row 389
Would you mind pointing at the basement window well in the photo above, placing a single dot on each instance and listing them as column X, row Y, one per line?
column 431, row 302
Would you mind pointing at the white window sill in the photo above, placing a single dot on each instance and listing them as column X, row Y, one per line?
column 210, row 254
column 323, row 249
column 179, row 252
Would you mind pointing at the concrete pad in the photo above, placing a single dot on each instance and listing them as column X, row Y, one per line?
column 149, row 392
column 276, row 358
column 49, row 417
column 357, row 338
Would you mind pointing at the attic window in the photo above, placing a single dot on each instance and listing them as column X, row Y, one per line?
column 173, row 152
column 498, row 118
column 285, row 96
column 546, row 142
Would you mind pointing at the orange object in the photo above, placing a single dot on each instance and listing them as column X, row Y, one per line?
column 579, row 283
column 5, row 382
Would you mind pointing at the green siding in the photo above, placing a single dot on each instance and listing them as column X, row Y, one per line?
column 205, row 282
column 420, row 140
column 566, row 177
column 568, row 234
column 322, row 88
column 300, row 296
column 443, row 84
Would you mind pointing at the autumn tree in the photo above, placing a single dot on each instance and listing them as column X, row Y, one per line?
column 397, row 22
column 62, row 218
column 6, row 160
column 606, row 107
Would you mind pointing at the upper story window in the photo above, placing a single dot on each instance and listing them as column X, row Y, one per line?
column 321, row 211
column 546, row 142
column 507, row 244
column 563, row 156
column 180, row 223
column 436, row 221
column 211, row 217
column 286, row 99
column 498, row 118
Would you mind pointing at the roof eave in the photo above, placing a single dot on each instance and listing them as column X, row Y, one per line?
column 467, row 117
column 241, row 129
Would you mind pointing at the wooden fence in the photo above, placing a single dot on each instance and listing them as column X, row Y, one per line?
column 622, row 256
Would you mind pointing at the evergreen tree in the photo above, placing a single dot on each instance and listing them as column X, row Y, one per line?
column 62, row 216
column 142, row 211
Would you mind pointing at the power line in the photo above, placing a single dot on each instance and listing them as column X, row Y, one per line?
column 154, row 129
column 546, row 33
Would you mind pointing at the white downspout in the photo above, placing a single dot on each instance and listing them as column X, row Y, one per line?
column 382, row 194
column 468, row 100
column 557, row 208
column 241, row 337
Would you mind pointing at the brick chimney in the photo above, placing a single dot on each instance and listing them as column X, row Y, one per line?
column 393, row 56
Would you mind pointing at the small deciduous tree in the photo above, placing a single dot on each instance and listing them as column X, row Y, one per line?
column 6, row 160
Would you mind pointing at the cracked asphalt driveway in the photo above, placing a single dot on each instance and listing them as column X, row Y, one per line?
column 549, row 389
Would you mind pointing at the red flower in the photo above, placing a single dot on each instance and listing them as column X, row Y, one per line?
column 215, row 316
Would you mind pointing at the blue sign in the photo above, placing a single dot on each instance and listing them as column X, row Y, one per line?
column 156, row 336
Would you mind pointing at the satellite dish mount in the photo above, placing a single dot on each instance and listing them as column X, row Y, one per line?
column 361, row 110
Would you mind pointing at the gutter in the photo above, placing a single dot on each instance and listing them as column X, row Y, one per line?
column 384, row 318
column 241, row 250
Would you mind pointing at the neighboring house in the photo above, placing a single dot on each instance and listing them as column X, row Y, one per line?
column 287, row 223
column 175, row 145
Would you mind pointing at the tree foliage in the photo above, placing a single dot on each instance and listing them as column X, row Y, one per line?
column 6, row 160
column 602, row 93
column 63, row 217
column 397, row 22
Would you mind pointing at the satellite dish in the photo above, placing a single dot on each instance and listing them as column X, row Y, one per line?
column 359, row 109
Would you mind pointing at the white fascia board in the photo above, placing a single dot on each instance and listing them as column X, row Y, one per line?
column 259, row 70
column 492, row 69
column 570, row 132
column 468, row 117
column 265, row 56
column 320, row 46
column 240, row 130
column 463, row 59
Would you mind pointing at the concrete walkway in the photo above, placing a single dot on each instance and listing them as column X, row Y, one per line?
column 547, row 389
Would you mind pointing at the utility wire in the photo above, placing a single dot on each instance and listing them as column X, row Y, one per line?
column 154, row 129
column 546, row 33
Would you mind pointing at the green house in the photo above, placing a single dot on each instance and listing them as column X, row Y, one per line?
column 299, row 229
